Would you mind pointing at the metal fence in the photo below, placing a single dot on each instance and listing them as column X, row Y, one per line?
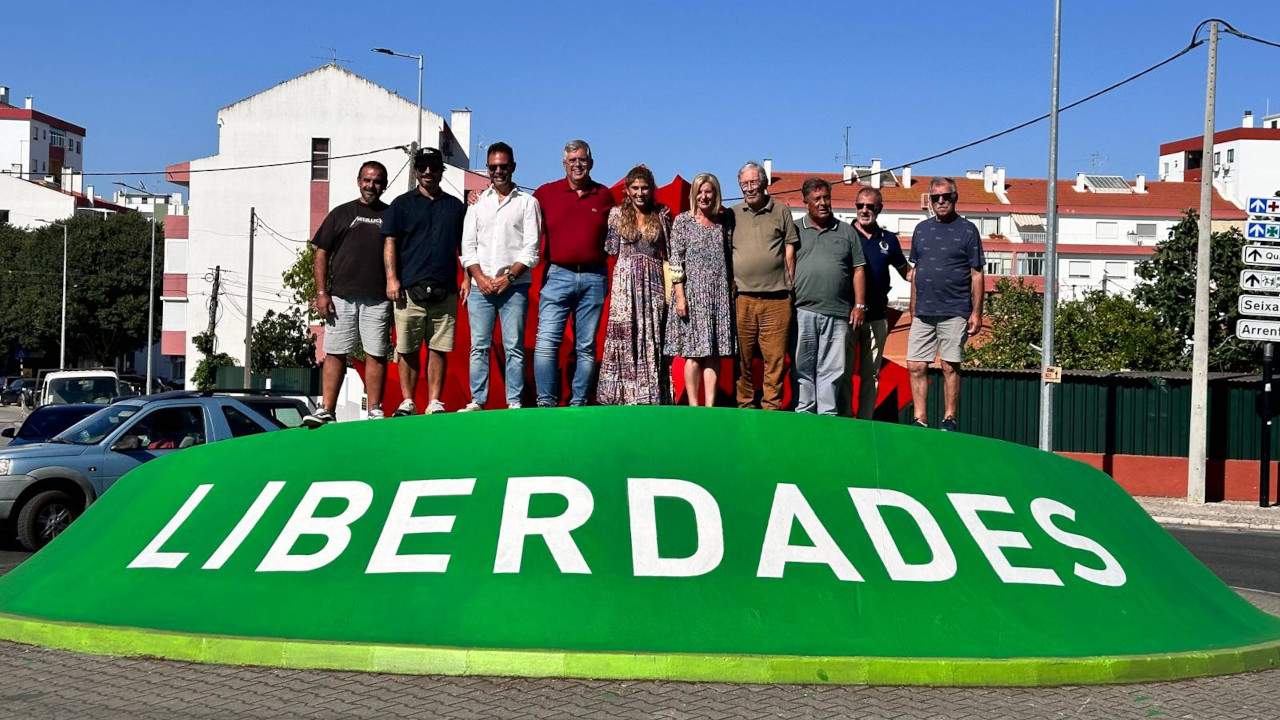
column 1111, row 413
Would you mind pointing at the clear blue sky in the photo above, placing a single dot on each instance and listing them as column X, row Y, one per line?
column 684, row 87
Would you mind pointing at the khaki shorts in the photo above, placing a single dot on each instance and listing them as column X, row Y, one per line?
column 434, row 322
column 934, row 336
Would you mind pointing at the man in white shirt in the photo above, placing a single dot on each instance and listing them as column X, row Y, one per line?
column 499, row 246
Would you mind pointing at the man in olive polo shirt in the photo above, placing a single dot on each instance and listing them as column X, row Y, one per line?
column 764, row 261
column 830, row 304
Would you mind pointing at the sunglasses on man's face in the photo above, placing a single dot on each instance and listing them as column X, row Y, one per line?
column 867, row 206
column 499, row 167
column 942, row 197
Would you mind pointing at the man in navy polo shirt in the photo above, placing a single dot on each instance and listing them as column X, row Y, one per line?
column 883, row 252
column 946, row 299
column 422, row 232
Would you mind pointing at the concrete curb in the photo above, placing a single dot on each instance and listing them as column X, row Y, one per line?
column 1225, row 524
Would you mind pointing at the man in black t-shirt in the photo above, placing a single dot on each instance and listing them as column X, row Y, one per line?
column 422, row 232
column 349, row 248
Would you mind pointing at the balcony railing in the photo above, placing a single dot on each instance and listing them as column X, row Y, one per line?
column 1032, row 237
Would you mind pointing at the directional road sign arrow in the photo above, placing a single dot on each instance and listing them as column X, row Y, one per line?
column 1263, row 206
column 1268, row 255
column 1260, row 280
column 1255, row 230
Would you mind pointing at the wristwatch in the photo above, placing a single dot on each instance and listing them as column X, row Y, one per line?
column 511, row 277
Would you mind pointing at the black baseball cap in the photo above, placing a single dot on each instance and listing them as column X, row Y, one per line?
column 428, row 158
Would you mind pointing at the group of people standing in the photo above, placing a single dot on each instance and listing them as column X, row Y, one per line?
column 706, row 284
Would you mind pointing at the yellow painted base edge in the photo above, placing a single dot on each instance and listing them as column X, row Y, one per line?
column 425, row 660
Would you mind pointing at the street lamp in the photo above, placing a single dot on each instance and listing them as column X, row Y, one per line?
column 393, row 53
column 62, row 350
column 151, row 288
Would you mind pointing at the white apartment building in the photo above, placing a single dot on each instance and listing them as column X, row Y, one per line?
column 1106, row 224
column 35, row 145
column 290, row 154
column 1245, row 162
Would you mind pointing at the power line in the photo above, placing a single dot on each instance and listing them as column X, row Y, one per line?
column 248, row 167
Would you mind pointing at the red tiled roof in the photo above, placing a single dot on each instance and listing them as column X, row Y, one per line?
column 786, row 187
column 1162, row 199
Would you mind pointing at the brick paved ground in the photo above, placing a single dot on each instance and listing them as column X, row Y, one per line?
column 51, row 685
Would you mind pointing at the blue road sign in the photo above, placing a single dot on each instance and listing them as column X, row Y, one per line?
column 1262, row 230
column 1263, row 206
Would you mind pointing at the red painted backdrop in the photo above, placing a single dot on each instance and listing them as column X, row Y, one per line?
column 457, row 393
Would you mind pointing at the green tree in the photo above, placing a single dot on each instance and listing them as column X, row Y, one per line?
column 1014, row 311
column 107, row 286
column 283, row 340
column 1096, row 332
column 205, row 376
column 1112, row 332
column 300, row 277
column 1169, row 291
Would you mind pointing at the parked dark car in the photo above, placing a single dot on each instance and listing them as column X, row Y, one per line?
column 12, row 393
column 45, row 422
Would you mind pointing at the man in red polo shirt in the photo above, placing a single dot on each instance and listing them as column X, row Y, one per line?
column 576, row 212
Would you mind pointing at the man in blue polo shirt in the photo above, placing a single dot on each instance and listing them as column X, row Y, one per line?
column 422, row 232
column 946, row 299
column 883, row 252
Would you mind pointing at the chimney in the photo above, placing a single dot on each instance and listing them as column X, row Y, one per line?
column 1080, row 182
column 4, row 95
column 31, row 102
column 988, row 178
column 768, row 171
column 875, row 173
column 88, row 192
column 77, row 181
column 1248, row 119
column 1140, row 184
column 66, row 180
column 848, row 174
column 999, row 179
column 906, row 177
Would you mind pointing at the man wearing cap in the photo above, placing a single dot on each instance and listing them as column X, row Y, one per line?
column 349, row 243
column 576, row 213
column 946, row 300
column 422, row 232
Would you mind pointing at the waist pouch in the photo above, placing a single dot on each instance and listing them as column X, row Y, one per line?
column 428, row 290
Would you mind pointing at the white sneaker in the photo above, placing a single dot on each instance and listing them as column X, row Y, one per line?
column 435, row 407
column 406, row 409
column 376, row 413
column 514, row 406
column 471, row 407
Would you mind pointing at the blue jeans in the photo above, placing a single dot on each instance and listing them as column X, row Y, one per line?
column 566, row 292
column 482, row 310
column 821, row 363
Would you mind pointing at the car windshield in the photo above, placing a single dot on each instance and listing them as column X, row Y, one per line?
column 83, row 390
column 48, row 421
column 92, row 429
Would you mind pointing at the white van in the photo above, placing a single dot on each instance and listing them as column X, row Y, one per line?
column 68, row 387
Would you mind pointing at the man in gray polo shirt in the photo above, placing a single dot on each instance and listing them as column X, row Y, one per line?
column 764, row 239
column 946, row 299
column 830, row 290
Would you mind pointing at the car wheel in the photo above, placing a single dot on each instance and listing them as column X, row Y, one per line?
column 44, row 517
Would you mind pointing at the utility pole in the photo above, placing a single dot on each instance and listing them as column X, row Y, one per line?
column 1197, row 446
column 1050, row 247
column 213, row 302
column 151, row 306
column 248, row 304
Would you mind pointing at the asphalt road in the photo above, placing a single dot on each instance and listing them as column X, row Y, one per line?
column 1245, row 560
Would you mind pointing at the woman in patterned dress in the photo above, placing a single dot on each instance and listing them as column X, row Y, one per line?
column 631, row 368
column 700, row 324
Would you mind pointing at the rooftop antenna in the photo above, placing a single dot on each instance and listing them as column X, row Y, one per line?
column 848, row 159
column 332, row 57
column 1097, row 161
column 480, row 146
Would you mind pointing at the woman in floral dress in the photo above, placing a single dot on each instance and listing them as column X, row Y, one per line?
column 631, row 369
column 700, row 324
